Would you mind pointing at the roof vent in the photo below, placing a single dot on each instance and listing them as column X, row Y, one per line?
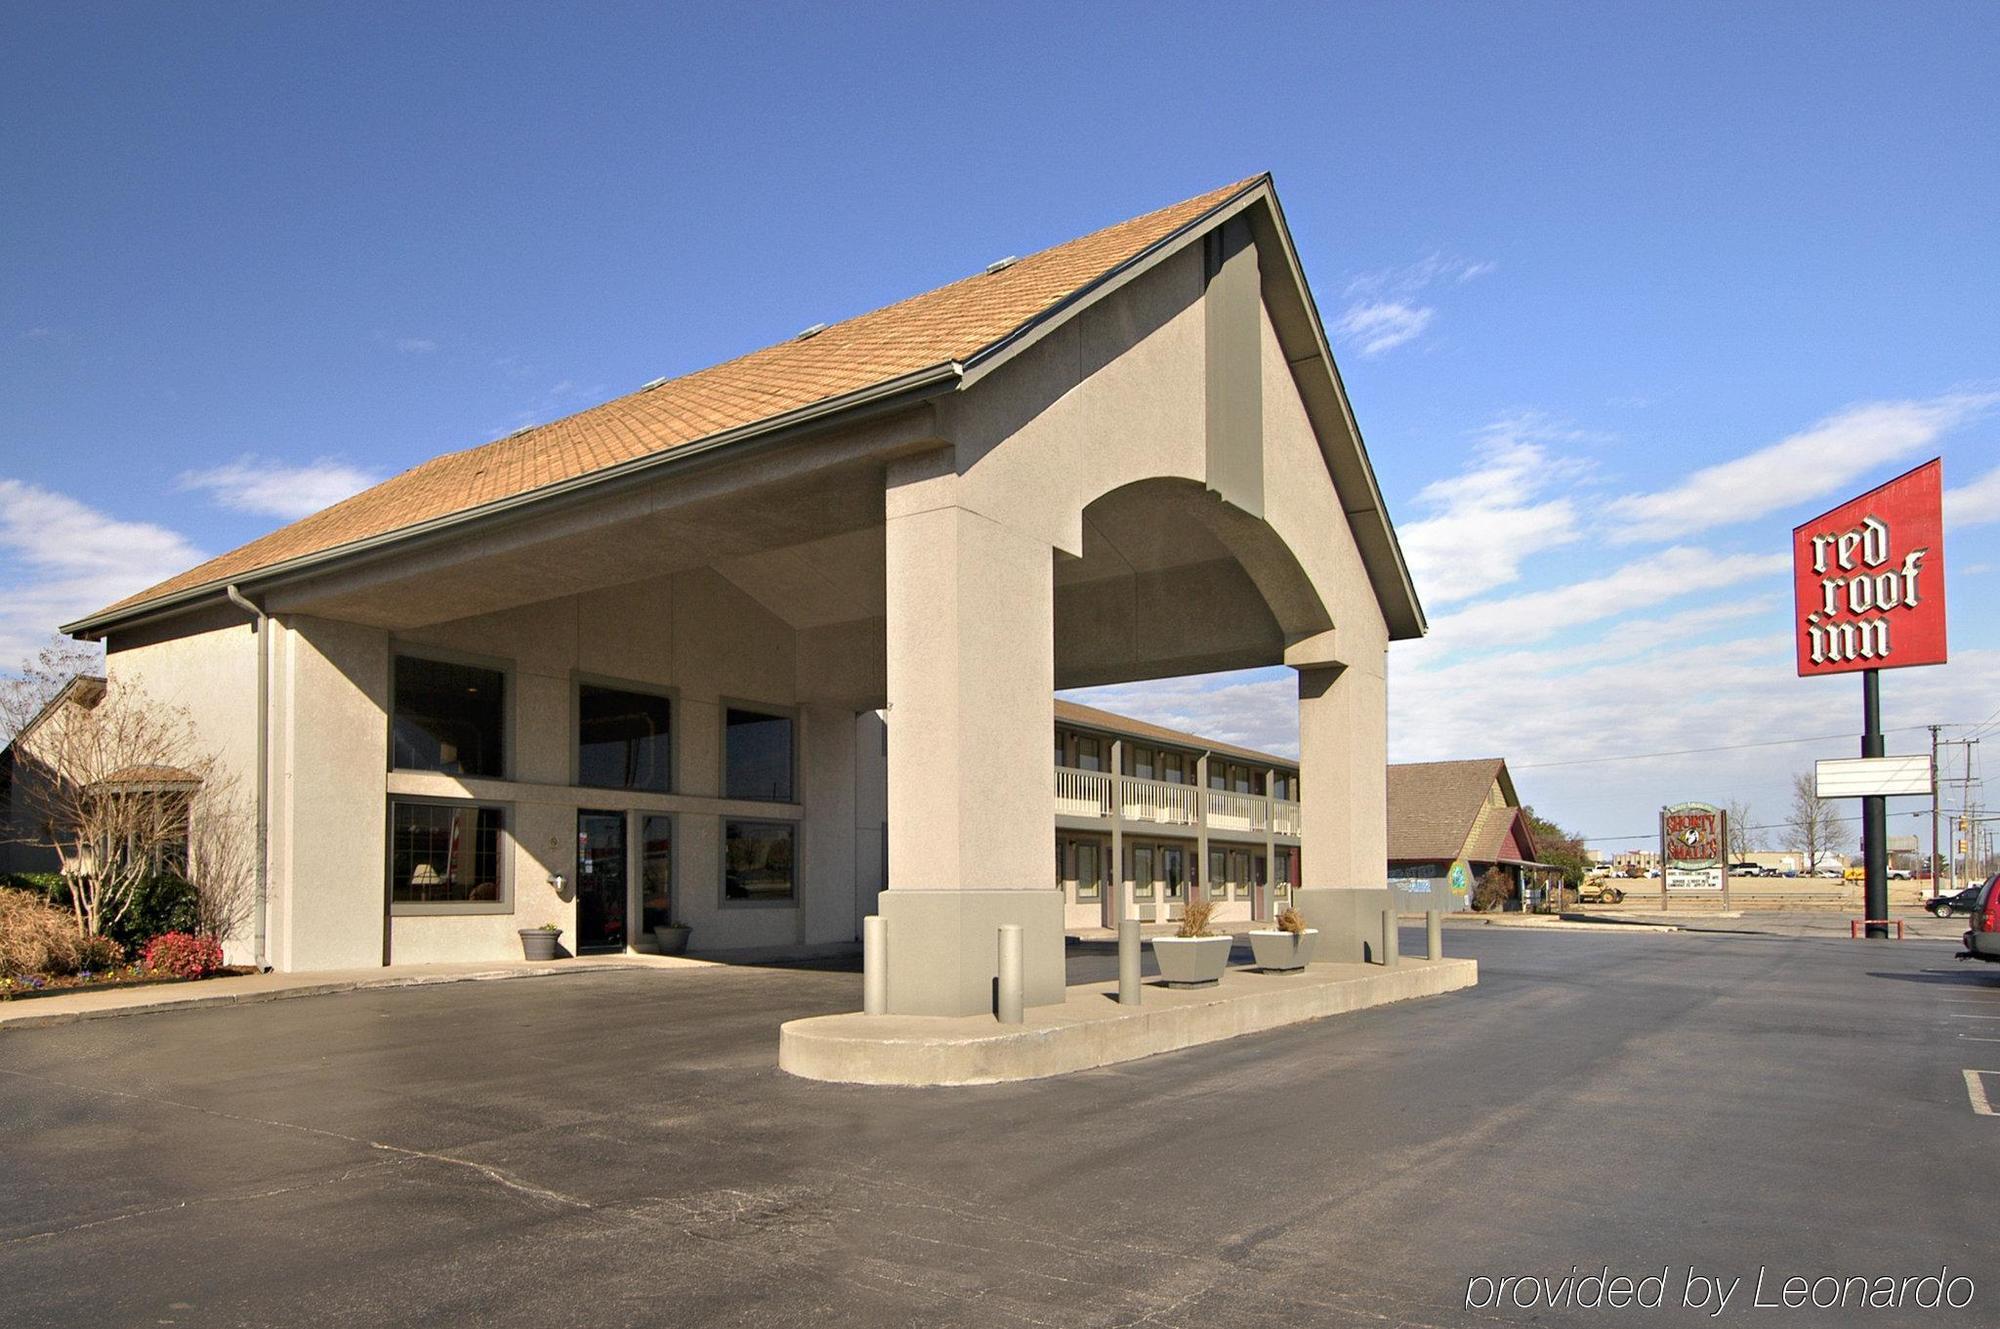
column 650, row 384
column 812, row 331
column 997, row 264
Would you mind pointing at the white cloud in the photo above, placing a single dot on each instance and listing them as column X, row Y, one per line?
column 1973, row 504
column 1378, row 326
column 415, row 345
column 275, row 489
column 1383, row 311
column 1675, row 573
column 65, row 559
column 1254, row 709
column 1436, row 267
column 1817, row 461
column 1482, row 522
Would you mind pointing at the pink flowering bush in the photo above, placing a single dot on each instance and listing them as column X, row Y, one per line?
column 183, row 955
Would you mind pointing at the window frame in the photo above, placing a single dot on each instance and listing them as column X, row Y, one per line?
column 503, row 852
column 797, row 829
column 790, row 714
column 577, row 683
column 438, row 655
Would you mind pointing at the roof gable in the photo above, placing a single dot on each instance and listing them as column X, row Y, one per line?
column 939, row 340
column 1436, row 807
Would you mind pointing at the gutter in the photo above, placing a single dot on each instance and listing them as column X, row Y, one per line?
column 262, row 627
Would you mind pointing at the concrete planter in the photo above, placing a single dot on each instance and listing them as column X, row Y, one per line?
column 539, row 943
column 1278, row 950
column 672, row 941
column 1192, row 962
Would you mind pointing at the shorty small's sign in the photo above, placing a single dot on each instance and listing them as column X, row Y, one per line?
column 1691, row 854
column 1868, row 579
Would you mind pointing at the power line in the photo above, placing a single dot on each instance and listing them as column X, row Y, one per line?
column 1769, row 826
column 1689, row 752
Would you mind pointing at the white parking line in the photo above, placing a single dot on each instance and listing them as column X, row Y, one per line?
column 1977, row 1039
column 1961, row 1015
column 1975, row 1089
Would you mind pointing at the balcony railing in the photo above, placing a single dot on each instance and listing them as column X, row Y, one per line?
column 1163, row 803
column 1158, row 801
column 1082, row 793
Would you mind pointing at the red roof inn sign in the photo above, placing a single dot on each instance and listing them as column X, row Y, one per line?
column 1868, row 579
column 1868, row 595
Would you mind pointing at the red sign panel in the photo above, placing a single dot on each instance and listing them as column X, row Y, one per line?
column 1693, row 835
column 1868, row 579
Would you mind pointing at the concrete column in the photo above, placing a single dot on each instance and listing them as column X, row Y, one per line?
column 971, row 677
column 1344, row 806
column 874, row 966
column 1116, row 763
column 1200, row 882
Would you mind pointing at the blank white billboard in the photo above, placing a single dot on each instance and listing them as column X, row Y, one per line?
column 1866, row 777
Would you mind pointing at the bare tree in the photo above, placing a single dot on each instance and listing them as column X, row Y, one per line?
column 1743, row 840
column 221, row 859
column 1814, row 823
column 110, row 786
column 41, row 678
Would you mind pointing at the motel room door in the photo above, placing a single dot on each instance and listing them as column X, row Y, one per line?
column 600, row 881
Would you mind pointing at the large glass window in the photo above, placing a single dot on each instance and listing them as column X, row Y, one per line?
column 445, row 854
column 1172, row 768
column 1218, row 874
column 760, row 863
column 449, row 717
column 757, row 755
column 1239, row 873
column 1142, row 763
column 1142, row 873
column 624, row 740
column 1088, row 755
column 1173, row 870
column 656, row 872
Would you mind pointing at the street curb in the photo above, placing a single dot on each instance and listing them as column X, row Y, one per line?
column 196, row 1000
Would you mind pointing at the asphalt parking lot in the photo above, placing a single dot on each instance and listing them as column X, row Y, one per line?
column 619, row 1149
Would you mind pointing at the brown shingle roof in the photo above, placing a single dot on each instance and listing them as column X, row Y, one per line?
column 941, row 327
column 1089, row 717
column 1435, row 806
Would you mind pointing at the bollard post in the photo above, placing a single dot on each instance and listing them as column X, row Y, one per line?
column 874, row 965
column 1129, row 954
column 1389, row 938
column 1434, row 933
column 1008, row 1006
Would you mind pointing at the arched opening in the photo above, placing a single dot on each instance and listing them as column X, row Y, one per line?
column 1174, row 581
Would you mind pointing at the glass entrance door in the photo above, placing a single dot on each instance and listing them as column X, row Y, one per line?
column 600, row 881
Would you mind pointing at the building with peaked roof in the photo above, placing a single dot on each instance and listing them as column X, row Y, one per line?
column 617, row 671
column 1451, row 822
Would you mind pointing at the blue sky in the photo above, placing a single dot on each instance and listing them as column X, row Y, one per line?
column 1574, row 259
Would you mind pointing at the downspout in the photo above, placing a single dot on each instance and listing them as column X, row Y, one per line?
column 262, row 629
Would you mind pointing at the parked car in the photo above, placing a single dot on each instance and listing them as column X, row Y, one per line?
column 1983, row 941
column 1901, row 874
column 1746, row 870
column 1958, row 902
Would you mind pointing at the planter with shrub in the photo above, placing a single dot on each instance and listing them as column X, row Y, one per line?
column 540, row 943
column 1285, row 947
column 673, row 940
column 1193, row 957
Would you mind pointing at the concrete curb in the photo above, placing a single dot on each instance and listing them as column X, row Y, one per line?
column 180, row 999
column 1090, row 1029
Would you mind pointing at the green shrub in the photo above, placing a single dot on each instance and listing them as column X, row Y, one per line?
column 160, row 904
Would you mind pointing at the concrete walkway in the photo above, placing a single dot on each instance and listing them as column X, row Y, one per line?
column 23, row 1012
column 1091, row 1029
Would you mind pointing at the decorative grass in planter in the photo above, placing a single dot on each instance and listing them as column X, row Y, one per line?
column 1193, row 957
column 1286, row 947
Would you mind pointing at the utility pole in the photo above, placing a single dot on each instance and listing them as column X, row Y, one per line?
column 1932, row 871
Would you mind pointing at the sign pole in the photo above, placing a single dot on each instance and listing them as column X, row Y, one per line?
column 1874, row 812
